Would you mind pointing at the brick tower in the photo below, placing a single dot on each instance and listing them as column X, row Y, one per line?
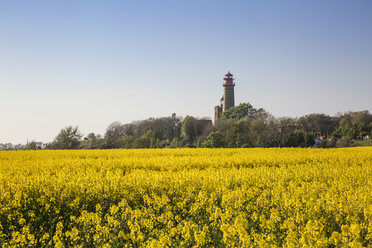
column 228, row 100
column 228, row 92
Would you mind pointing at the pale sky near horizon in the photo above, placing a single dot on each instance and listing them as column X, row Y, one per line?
column 90, row 63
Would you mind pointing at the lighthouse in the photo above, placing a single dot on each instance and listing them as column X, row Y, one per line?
column 228, row 92
column 228, row 99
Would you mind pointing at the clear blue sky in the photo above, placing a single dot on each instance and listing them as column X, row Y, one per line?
column 90, row 63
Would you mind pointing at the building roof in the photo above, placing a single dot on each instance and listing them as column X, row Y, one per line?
column 229, row 74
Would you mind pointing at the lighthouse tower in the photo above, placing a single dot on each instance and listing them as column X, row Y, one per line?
column 228, row 92
column 228, row 100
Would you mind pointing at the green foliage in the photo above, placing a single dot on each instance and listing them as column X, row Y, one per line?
column 174, row 143
column 114, row 134
column 309, row 139
column 92, row 141
column 127, row 141
column 318, row 123
column 215, row 140
column 136, row 134
column 298, row 138
column 352, row 130
column 344, row 141
column 240, row 126
column 189, row 130
column 67, row 138
column 362, row 143
column 33, row 145
column 241, row 111
column 147, row 140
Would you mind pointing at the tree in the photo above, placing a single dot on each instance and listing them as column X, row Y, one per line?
column 33, row 145
column 241, row 111
column 92, row 141
column 114, row 134
column 174, row 143
column 309, row 139
column 318, row 123
column 189, row 130
column 215, row 140
column 127, row 141
column 295, row 139
column 147, row 140
column 344, row 141
column 258, row 130
column 68, row 138
column 363, row 117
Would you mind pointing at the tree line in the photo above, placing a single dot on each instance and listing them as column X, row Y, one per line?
column 240, row 126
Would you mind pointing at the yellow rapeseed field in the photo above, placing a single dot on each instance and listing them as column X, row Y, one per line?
column 187, row 197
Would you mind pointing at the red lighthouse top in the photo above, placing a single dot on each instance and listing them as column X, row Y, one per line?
column 229, row 80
